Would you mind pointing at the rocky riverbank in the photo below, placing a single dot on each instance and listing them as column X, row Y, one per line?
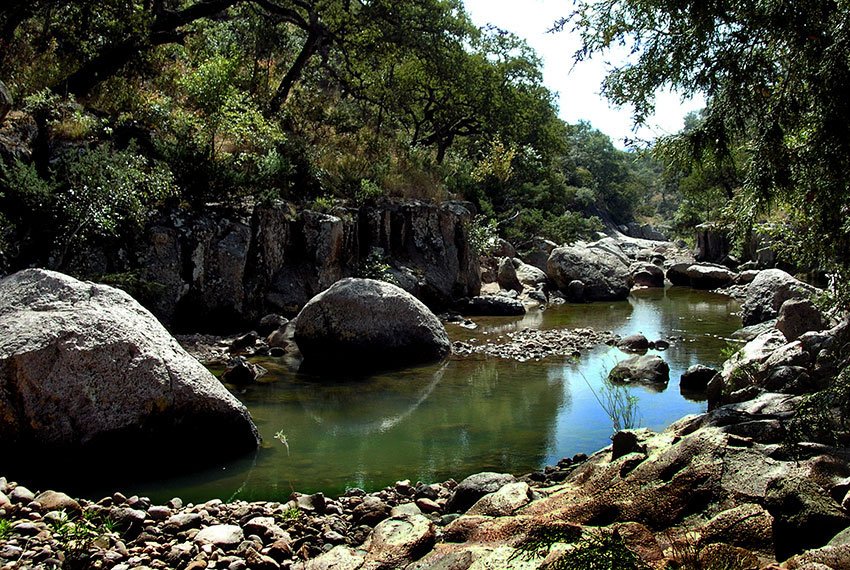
column 535, row 344
column 52, row 530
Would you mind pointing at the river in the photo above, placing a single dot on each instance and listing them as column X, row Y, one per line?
column 461, row 416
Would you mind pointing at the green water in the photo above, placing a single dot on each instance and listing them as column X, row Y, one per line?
column 461, row 416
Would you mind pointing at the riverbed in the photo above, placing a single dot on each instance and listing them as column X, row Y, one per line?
column 464, row 415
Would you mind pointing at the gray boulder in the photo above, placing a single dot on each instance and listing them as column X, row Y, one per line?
column 798, row 316
column 677, row 274
column 529, row 275
column 506, row 275
column 633, row 343
column 704, row 276
column 398, row 541
column 646, row 369
column 806, row 516
column 646, row 275
column 604, row 274
column 364, row 322
column 85, row 368
column 537, row 252
column 471, row 489
column 492, row 305
column 713, row 244
column 768, row 291
column 696, row 378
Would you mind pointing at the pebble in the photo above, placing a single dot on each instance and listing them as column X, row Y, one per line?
column 534, row 344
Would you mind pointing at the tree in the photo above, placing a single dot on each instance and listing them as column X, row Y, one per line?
column 775, row 75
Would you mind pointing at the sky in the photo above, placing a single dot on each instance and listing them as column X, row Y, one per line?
column 577, row 85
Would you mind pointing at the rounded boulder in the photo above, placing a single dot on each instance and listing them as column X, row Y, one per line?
column 368, row 323
column 604, row 274
column 85, row 370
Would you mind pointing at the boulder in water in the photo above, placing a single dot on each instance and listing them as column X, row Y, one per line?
column 86, row 370
column 366, row 323
column 604, row 274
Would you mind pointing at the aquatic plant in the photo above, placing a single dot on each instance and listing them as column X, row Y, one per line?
column 617, row 402
column 281, row 437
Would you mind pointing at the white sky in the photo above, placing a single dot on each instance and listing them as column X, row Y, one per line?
column 577, row 86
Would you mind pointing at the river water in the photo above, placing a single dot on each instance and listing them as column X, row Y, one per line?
column 461, row 416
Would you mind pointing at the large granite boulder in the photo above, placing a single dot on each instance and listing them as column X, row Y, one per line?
column 368, row 323
column 799, row 316
column 713, row 244
column 645, row 274
column 646, row 369
column 707, row 276
column 85, row 369
column 529, row 275
column 677, row 274
column 768, row 291
column 604, row 274
column 491, row 306
column 474, row 487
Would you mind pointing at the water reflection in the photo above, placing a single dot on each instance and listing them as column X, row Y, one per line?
column 463, row 416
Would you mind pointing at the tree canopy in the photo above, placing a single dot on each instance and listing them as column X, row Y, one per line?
column 775, row 75
column 317, row 102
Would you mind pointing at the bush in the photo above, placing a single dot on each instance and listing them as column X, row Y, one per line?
column 561, row 229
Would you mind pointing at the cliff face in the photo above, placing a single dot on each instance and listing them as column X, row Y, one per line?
column 223, row 268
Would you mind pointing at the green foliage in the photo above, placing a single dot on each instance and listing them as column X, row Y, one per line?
column 290, row 515
column 368, row 192
column 775, row 75
column 825, row 415
column 376, row 266
column 538, row 542
column 592, row 550
column 729, row 350
column 482, row 235
column 5, row 528
column 560, row 228
column 140, row 289
column 107, row 190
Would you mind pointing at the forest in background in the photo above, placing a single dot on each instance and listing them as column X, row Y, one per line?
column 141, row 106
column 135, row 107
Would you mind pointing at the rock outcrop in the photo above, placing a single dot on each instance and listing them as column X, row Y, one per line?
column 226, row 267
column 768, row 291
column 359, row 323
column 84, row 368
column 603, row 273
column 713, row 245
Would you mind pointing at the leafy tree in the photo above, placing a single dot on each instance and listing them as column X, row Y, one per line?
column 775, row 76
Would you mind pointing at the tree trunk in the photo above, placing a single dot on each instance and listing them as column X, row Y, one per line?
column 315, row 37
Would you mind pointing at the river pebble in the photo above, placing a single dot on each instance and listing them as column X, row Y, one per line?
column 534, row 344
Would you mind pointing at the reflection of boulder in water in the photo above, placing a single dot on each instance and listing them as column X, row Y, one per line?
column 376, row 412
column 457, row 412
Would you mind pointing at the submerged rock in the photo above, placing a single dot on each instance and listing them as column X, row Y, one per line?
column 84, row 368
column 368, row 323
